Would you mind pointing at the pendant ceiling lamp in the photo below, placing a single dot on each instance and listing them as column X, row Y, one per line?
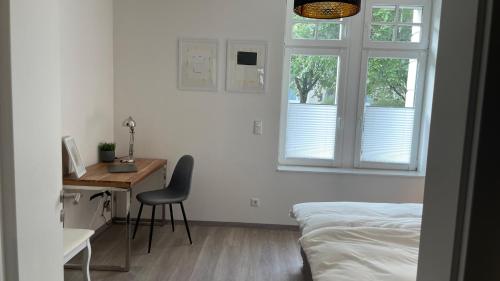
column 319, row 9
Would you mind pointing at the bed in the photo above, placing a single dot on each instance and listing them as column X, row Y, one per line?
column 347, row 241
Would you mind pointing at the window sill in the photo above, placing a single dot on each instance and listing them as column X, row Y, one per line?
column 350, row 171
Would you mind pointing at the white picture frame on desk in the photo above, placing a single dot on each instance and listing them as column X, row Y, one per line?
column 198, row 64
column 74, row 156
column 246, row 66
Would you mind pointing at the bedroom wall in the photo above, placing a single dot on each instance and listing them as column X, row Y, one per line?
column 231, row 164
column 86, row 87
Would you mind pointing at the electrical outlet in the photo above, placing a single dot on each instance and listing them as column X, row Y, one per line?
column 254, row 202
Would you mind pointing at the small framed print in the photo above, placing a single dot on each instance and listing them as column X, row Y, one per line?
column 197, row 67
column 246, row 66
column 74, row 156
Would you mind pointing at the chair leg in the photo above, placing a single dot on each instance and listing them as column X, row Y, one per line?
column 137, row 221
column 151, row 228
column 186, row 223
column 171, row 217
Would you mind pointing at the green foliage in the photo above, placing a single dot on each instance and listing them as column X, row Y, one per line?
column 312, row 30
column 386, row 84
column 314, row 73
column 107, row 146
column 328, row 31
column 304, row 30
column 329, row 99
column 384, row 14
column 385, row 32
column 381, row 32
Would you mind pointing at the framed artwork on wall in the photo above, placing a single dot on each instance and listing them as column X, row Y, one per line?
column 246, row 66
column 197, row 66
column 74, row 156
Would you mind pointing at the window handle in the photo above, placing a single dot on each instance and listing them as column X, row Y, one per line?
column 340, row 123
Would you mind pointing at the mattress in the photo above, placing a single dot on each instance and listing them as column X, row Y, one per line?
column 362, row 253
column 316, row 215
column 347, row 241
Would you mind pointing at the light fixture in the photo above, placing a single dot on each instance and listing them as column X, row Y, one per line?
column 321, row 9
column 130, row 123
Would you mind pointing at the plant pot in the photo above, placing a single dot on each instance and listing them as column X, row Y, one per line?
column 107, row 156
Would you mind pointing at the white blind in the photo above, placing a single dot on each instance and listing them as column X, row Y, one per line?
column 387, row 134
column 310, row 131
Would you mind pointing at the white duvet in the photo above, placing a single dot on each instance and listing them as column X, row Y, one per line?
column 312, row 216
column 362, row 253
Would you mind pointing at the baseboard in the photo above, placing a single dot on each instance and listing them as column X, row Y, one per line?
column 245, row 224
column 216, row 223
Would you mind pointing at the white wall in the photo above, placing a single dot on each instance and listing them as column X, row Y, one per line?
column 447, row 135
column 31, row 150
column 231, row 164
column 87, row 88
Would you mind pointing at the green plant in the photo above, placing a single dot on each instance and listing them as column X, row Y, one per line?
column 107, row 146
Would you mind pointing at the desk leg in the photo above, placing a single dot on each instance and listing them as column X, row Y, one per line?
column 128, row 245
column 128, row 241
column 163, row 212
column 86, row 262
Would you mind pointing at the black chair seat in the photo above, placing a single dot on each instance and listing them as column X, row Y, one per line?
column 163, row 196
column 176, row 192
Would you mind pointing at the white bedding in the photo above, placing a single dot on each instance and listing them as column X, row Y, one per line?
column 312, row 216
column 362, row 253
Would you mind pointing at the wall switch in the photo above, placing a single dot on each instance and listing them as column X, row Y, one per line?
column 254, row 202
column 257, row 127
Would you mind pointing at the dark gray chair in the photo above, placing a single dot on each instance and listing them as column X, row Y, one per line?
column 176, row 192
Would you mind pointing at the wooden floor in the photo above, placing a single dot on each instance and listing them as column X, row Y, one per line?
column 218, row 253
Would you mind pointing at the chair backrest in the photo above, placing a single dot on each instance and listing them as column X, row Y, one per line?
column 183, row 172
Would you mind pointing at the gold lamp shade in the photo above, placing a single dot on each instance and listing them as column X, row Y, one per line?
column 318, row 9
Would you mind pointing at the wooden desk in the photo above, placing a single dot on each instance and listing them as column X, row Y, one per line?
column 98, row 178
column 98, row 175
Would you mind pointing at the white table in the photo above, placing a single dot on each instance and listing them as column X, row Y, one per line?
column 76, row 240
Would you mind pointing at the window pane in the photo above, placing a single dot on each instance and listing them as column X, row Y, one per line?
column 329, row 31
column 409, row 33
column 410, row 14
column 388, row 121
column 304, row 31
column 382, row 32
column 383, row 14
column 312, row 107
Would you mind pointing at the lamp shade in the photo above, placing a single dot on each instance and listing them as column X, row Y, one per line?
column 129, row 122
column 320, row 9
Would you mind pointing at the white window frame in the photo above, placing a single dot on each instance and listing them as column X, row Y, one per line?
column 421, row 57
column 355, row 47
column 424, row 31
column 290, row 42
column 341, row 79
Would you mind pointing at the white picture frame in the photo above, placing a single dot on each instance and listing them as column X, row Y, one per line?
column 74, row 156
column 198, row 64
column 246, row 66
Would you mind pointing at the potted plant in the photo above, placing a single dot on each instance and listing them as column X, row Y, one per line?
column 107, row 151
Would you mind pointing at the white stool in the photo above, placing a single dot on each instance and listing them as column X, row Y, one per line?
column 76, row 240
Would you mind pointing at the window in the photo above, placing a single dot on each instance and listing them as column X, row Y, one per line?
column 393, row 23
column 312, row 98
column 309, row 29
column 389, row 90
